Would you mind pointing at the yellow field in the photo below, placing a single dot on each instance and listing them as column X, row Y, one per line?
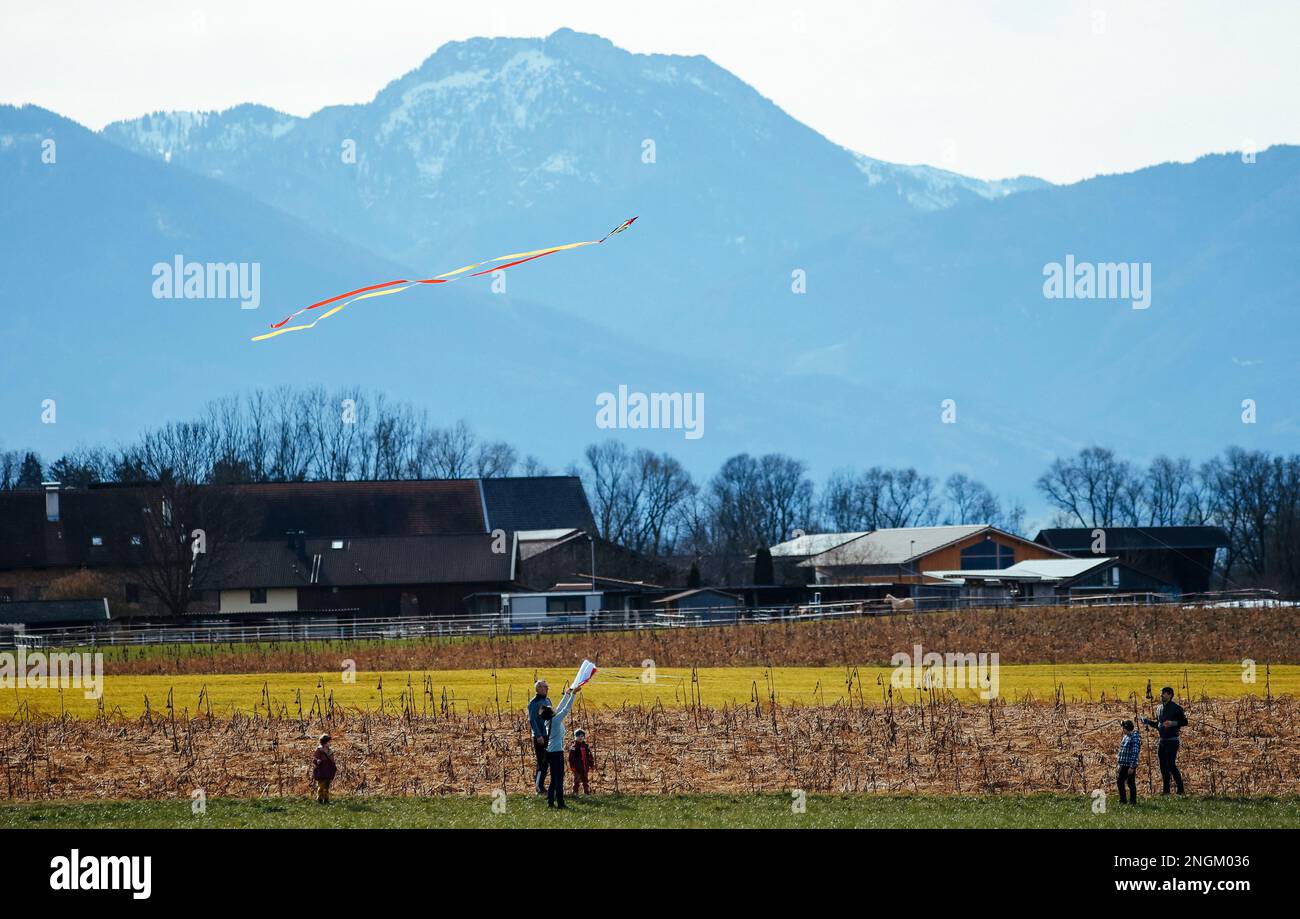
column 476, row 690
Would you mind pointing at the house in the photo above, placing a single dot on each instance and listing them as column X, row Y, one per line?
column 1053, row 580
column 902, row 556
column 1182, row 555
column 368, row 575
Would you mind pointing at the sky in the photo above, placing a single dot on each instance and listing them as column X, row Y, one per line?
column 1061, row 90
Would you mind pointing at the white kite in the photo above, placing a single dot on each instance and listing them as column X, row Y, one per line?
column 585, row 673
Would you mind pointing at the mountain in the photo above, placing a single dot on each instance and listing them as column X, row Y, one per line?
column 921, row 285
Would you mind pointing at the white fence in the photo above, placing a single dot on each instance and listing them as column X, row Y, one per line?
column 323, row 627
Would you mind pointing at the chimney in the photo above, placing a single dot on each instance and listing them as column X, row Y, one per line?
column 55, row 549
column 51, row 501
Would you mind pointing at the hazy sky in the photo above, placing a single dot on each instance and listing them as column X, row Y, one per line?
column 1063, row 90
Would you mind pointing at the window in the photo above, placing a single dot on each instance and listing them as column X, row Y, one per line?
column 132, row 592
column 96, row 540
column 137, row 541
column 987, row 555
column 564, row 605
column 257, row 595
column 336, row 544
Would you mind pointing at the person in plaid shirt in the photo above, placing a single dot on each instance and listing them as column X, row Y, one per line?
column 1130, row 746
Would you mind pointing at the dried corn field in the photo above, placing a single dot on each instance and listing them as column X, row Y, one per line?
column 1019, row 636
column 928, row 744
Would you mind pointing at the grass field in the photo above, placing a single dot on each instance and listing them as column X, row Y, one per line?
column 648, row 811
column 482, row 690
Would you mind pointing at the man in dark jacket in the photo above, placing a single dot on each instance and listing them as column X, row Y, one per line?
column 1170, row 719
column 538, row 728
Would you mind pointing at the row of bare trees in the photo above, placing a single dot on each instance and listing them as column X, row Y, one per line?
column 288, row 435
column 651, row 504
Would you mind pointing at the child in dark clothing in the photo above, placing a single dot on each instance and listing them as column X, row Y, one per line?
column 1130, row 748
column 581, row 761
column 323, row 769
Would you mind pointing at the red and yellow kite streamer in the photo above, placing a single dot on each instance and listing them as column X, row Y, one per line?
column 393, row 287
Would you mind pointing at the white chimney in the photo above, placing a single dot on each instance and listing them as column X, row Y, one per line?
column 51, row 501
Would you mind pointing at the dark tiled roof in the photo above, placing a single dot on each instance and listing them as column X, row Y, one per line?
column 538, row 503
column 411, row 508
column 362, row 562
column 36, row 612
column 1119, row 539
column 82, row 515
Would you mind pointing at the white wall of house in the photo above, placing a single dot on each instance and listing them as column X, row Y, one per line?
column 278, row 600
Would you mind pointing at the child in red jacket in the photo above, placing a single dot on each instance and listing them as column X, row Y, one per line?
column 323, row 769
column 581, row 761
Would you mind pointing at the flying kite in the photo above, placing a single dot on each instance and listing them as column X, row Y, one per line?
column 394, row 287
column 585, row 673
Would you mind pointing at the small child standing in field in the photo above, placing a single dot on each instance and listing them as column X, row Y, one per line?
column 1130, row 746
column 581, row 761
column 323, row 769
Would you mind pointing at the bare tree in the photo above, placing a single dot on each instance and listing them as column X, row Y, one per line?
column 1171, row 492
column 1095, row 488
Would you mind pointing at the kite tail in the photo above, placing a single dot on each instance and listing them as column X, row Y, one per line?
column 500, row 263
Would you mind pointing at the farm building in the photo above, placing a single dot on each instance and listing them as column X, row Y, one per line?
column 701, row 603
column 902, row 556
column 370, row 575
column 371, row 548
column 56, row 613
column 1182, row 556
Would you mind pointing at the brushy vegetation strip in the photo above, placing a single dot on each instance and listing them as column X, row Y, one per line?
column 1244, row 747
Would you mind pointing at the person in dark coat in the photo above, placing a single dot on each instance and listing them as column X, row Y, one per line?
column 538, row 728
column 1170, row 719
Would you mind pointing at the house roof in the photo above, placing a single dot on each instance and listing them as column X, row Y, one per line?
column 813, row 544
column 397, row 508
column 362, row 562
column 695, row 592
column 581, row 580
column 38, row 612
column 1042, row 569
column 895, row 546
column 535, row 542
column 1080, row 539
column 537, row 503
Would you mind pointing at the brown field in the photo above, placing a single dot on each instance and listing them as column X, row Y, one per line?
column 1139, row 634
column 934, row 744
